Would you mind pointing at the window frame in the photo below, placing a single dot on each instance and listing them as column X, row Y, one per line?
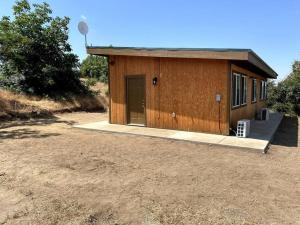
column 234, row 89
column 254, row 90
column 263, row 90
column 266, row 90
column 237, row 91
column 244, row 90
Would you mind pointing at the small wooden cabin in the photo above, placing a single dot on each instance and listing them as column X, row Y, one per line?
column 205, row 90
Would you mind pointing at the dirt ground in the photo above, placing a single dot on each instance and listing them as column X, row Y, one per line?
column 51, row 173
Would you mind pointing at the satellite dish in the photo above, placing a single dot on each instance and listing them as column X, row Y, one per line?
column 83, row 29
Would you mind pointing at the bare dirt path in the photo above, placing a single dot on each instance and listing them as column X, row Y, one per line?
column 51, row 173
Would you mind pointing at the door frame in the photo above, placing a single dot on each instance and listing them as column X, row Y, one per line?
column 126, row 77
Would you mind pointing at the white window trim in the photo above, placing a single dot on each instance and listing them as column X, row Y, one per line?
column 234, row 99
column 253, row 100
column 245, row 90
column 263, row 90
column 239, row 90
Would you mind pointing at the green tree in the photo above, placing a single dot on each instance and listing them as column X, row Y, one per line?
column 285, row 96
column 95, row 67
column 35, row 56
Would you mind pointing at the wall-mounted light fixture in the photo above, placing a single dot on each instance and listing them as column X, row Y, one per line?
column 112, row 62
column 154, row 81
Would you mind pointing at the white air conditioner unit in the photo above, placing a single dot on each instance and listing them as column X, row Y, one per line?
column 264, row 114
column 243, row 128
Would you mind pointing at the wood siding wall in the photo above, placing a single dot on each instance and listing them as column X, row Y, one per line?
column 187, row 87
column 249, row 110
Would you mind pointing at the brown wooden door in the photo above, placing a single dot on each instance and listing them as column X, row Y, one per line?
column 136, row 100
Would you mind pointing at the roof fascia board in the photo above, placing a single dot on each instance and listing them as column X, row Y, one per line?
column 229, row 55
column 258, row 62
column 225, row 54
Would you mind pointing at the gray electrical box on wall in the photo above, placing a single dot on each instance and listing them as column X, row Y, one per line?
column 218, row 97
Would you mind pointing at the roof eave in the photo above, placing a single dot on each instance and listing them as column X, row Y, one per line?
column 180, row 53
column 255, row 60
column 246, row 55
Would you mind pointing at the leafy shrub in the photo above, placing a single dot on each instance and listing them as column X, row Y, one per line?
column 95, row 67
column 91, row 81
column 106, row 92
column 285, row 96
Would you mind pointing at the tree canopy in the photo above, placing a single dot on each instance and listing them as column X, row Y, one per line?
column 285, row 96
column 95, row 67
column 35, row 56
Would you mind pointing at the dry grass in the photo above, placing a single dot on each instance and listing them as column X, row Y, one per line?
column 102, row 87
column 18, row 105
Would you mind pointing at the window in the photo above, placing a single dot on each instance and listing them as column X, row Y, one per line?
column 239, row 89
column 263, row 90
column 243, row 90
column 253, row 97
column 236, row 87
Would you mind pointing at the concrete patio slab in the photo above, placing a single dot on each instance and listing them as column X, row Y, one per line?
column 261, row 133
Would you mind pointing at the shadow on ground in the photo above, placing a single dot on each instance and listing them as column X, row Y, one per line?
column 24, row 133
column 21, row 128
column 287, row 133
column 34, row 122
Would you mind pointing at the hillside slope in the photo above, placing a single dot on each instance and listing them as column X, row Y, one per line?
column 23, row 106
